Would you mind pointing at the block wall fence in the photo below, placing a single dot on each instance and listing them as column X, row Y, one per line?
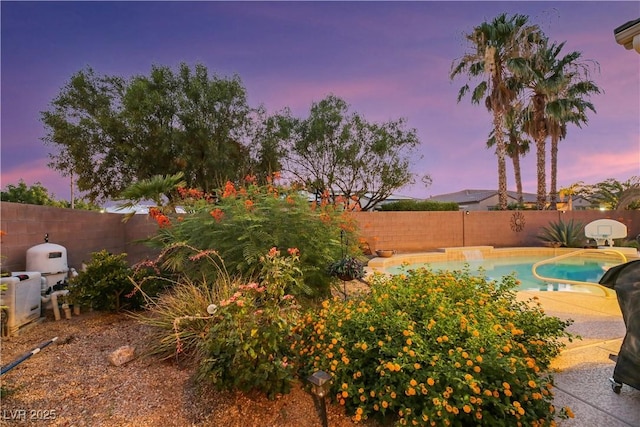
column 83, row 232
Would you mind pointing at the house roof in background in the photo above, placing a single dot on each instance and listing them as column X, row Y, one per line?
column 477, row 196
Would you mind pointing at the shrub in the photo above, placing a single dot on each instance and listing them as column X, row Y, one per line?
column 567, row 234
column 246, row 221
column 248, row 342
column 419, row 205
column 179, row 316
column 104, row 283
column 443, row 348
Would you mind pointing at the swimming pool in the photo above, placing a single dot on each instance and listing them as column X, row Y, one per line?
column 496, row 263
column 586, row 271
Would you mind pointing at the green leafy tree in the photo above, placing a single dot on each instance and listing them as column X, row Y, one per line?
column 340, row 152
column 110, row 131
column 493, row 47
column 613, row 194
column 35, row 194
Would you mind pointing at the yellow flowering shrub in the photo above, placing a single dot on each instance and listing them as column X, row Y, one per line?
column 436, row 348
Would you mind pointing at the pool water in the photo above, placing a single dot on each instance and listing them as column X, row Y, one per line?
column 578, row 269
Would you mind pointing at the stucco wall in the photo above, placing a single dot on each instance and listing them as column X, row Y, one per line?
column 421, row 231
column 84, row 232
column 81, row 232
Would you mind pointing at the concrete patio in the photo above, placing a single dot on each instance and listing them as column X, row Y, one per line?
column 584, row 367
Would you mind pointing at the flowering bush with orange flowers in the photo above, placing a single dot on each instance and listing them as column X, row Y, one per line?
column 436, row 349
column 247, row 219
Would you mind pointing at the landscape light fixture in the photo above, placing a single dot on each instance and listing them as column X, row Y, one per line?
column 320, row 382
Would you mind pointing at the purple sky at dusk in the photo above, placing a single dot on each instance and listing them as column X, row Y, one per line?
column 387, row 60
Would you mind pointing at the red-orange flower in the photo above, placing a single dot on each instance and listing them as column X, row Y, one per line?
column 163, row 221
column 229, row 189
column 293, row 251
column 217, row 214
column 193, row 193
column 273, row 252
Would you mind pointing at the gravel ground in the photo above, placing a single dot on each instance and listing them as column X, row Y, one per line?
column 72, row 383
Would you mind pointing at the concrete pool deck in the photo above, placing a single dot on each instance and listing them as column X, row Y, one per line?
column 583, row 367
column 469, row 253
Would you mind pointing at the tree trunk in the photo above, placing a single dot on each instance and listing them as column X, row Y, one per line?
column 553, row 188
column 541, row 136
column 501, row 152
column 518, row 177
column 541, row 199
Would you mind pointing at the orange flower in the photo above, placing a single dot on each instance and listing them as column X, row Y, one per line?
column 217, row 214
column 163, row 221
column 569, row 412
column 229, row 189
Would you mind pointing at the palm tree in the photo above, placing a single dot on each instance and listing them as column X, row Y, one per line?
column 158, row 189
column 556, row 88
column 517, row 145
column 493, row 46
column 568, row 107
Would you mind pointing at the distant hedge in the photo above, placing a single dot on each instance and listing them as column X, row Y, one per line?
column 415, row 205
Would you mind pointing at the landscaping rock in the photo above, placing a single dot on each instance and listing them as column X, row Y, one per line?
column 122, row 355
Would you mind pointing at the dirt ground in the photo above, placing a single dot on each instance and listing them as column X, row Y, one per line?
column 72, row 383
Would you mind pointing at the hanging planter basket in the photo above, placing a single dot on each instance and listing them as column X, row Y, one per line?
column 347, row 269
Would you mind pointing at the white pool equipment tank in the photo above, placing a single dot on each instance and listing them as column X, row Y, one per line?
column 50, row 260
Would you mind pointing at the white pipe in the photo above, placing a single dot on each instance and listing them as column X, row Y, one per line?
column 53, row 297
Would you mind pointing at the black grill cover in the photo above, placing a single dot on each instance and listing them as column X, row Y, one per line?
column 625, row 280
